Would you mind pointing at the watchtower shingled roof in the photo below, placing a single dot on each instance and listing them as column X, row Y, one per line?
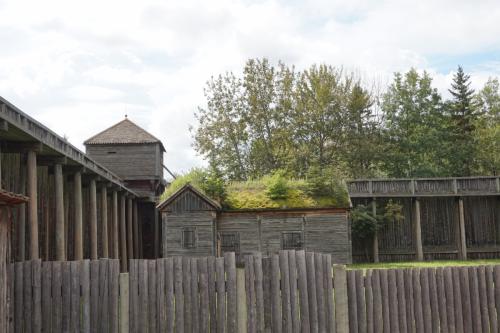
column 124, row 132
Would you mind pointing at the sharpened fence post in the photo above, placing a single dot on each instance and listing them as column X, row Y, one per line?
column 242, row 300
column 341, row 305
column 124, row 303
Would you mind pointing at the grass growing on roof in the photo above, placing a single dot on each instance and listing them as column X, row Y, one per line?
column 270, row 191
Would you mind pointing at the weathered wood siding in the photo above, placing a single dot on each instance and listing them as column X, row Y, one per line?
column 326, row 232
column 188, row 210
column 131, row 161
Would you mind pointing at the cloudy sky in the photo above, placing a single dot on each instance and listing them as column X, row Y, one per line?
column 80, row 66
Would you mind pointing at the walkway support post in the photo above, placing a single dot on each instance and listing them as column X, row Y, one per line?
column 136, row 230
column 130, row 233
column 104, row 221
column 123, row 234
column 93, row 219
column 461, row 227
column 375, row 234
column 114, row 224
column 418, row 231
column 59, row 197
column 78, row 216
column 33, row 204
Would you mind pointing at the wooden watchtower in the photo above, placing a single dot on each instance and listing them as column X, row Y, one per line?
column 136, row 156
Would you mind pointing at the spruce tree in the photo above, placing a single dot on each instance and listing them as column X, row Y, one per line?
column 463, row 116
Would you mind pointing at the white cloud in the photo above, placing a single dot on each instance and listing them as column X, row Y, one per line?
column 97, row 60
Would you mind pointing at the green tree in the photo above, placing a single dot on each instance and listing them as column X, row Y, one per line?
column 268, row 92
column 361, row 150
column 413, row 126
column 221, row 135
column 487, row 131
column 464, row 114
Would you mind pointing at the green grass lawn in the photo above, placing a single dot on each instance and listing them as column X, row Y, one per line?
column 416, row 264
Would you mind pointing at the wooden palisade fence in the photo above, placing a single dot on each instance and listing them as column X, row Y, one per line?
column 292, row 291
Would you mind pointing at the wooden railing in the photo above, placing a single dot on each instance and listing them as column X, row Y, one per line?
column 424, row 187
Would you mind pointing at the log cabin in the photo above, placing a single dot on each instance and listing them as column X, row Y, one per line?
column 196, row 225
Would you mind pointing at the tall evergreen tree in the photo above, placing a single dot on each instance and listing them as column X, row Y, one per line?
column 463, row 112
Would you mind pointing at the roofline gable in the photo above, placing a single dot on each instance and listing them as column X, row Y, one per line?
column 190, row 187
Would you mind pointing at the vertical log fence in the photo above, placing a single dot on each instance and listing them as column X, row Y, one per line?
column 292, row 291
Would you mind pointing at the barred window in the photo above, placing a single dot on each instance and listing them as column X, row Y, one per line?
column 291, row 240
column 188, row 238
column 230, row 242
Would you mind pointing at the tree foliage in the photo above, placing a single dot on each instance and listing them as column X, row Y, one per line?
column 324, row 121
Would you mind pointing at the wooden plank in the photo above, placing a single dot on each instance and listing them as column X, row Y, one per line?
column 56, row 297
column 19, row 296
column 230, row 267
column 311, row 287
column 189, row 311
column 275, row 295
column 143, row 295
column 75, row 296
column 496, row 279
column 46, row 296
column 360, row 300
column 330, row 316
column 37, row 295
column 318, row 263
column 457, row 297
column 340, row 287
column 169, row 294
column 401, row 290
column 114, row 282
column 94, row 295
column 474, row 297
column 369, row 301
column 85, row 289
column 384, row 286
column 353, row 313
column 221, row 295
column 104, row 295
column 303, row 293
column 266, row 285
column 466, row 302
column 11, row 281
column 212, row 300
column 179, row 297
column 152, row 294
column 27, row 296
column 417, row 298
column 124, row 303
column 410, row 313
column 491, row 298
column 441, row 299
column 133, row 295
column 285, row 292
column 203, row 276
column 450, row 301
column 250, row 293
column 394, row 305
column 426, row 303
column 66, row 296
column 292, row 262
column 160, row 294
column 433, row 300
column 194, row 296
column 483, row 298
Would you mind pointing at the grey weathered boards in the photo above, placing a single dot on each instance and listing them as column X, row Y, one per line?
column 195, row 225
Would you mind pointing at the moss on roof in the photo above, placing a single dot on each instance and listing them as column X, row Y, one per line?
column 257, row 194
